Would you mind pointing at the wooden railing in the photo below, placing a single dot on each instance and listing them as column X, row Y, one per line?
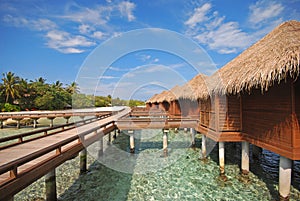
column 42, row 161
column 13, row 140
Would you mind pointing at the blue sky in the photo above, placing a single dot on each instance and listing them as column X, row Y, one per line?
column 55, row 39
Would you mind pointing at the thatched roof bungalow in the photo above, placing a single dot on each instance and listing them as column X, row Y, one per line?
column 265, row 80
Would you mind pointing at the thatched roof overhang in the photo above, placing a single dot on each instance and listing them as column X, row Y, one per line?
column 272, row 59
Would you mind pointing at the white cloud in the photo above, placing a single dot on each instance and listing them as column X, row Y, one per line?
column 199, row 15
column 225, row 38
column 67, row 43
column 126, row 9
column 264, row 10
column 213, row 31
column 38, row 24
column 85, row 28
column 98, row 35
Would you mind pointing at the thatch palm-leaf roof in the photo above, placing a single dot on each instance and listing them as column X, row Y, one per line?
column 195, row 89
column 270, row 60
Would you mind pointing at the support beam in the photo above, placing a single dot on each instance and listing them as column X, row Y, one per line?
column 192, row 131
column 203, row 154
column 245, row 158
column 1, row 124
column 109, row 138
column 51, row 121
column 18, row 123
column 67, row 119
column 35, row 122
column 50, row 180
column 115, row 134
column 131, row 139
column 222, row 157
column 100, row 146
column 165, row 140
column 83, row 161
column 185, row 130
column 285, row 173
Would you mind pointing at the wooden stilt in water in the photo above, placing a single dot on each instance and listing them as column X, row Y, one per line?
column 192, row 131
column 245, row 158
column 83, row 161
column 165, row 141
column 222, row 157
column 1, row 124
column 203, row 154
column 131, row 139
column 109, row 138
column 50, row 180
column 285, row 173
column 115, row 134
column 185, row 130
column 100, row 146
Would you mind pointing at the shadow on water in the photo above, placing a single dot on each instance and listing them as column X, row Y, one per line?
column 101, row 182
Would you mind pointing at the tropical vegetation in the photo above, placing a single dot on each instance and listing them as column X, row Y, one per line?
column 17, row 94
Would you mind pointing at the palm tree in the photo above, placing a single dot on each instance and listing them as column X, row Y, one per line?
column 73, row 88
column 10, row 84
column 41, row 80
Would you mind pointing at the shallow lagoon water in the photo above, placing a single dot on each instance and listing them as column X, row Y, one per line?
column 182, row 177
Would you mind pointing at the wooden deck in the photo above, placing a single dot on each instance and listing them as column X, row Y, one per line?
column 156, row 123
column 24, row 163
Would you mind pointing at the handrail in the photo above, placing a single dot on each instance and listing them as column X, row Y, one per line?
column 13, row 165
column 20, row 137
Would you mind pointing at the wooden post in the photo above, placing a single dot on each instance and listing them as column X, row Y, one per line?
column 50, row 180
column 83, row 161
column 115, row 134
column 1, row 124
column 100, row 150
column 285, row 172
column 165, row 141
column 245, row 158
column 109, row 138
column 131, row 132
column 222, row 157
column 35, row 122
column 203, row 153
column 18, row 123
column 192, row 130
column 67, row 119
column 51, row 121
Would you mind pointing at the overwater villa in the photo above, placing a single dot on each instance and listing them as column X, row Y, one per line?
column 255, row 98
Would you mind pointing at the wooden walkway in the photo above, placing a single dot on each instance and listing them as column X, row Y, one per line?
column 24, row 163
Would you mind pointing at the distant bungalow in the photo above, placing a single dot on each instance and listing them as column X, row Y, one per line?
column 255, row 98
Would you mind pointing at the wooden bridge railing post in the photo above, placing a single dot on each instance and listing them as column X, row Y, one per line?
column 50, row 181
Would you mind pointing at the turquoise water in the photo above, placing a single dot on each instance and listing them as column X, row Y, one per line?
column 149, row 175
